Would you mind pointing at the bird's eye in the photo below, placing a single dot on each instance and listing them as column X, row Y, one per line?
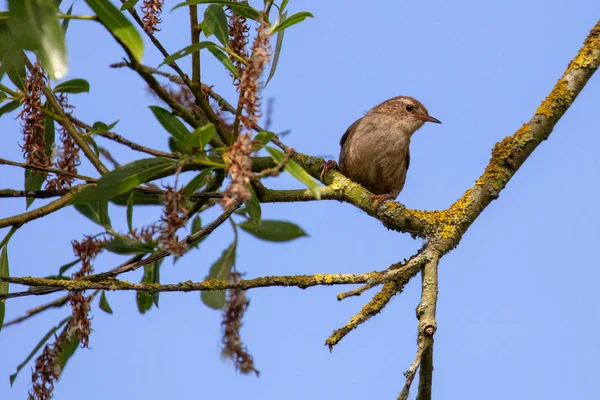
column 409, row 108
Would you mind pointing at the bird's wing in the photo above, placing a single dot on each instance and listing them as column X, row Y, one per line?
column 349, row 132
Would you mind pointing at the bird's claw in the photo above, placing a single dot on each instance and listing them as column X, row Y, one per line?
column 327, row 165
column 379, row 199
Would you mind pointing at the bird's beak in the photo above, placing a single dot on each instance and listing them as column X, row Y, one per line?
column 431, row 119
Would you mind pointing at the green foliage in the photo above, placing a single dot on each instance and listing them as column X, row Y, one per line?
column 119, row 26
column 294, row 169
column 151, row 275
column 273, row 231
column 35, row 26
column 103, row 304
column 124, row 178
column 96, row 211
column 127, row 245
column 215, row 21
column 292, row 20
column 3, row 285
column 221, row 269
column 73, row 86
column 242, row 8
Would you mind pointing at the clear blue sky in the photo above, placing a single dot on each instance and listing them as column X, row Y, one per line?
column 518, row 304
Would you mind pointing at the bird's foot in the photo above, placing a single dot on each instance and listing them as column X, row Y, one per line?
column 331, row 164
column 379, row 199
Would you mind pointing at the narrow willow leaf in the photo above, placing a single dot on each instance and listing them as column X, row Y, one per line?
column 221, row 269
column 241, row 8
column 151, row 275
column 126, row 245
column 4, row 272
column 278, row 45
column 124, row 178
column 196, row 183
column 34, row 181
column 3, row 96
column 73, row 86
column 283, row 5
column 11, row 61
column 10, row 106
column 65, row 23
column 186, row 51
column 37, row 348
column 96, row 211
column 130, row 211
column 172, row 124
column 262, row 138
column 273, row 231
column 224, row 58
column 200, row 137
column 196, row 226
column 294, row 169
column 66, row 267
column 104, row 306
column 253, row 207
column 119, row 26
column 128, row 4
column 35, row 25
column 139, row 199
column 293, row 20
column 215, row 18
column 68, row 349
column 101, row 127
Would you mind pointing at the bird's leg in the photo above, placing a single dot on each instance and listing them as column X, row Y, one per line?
column 331, row 164
column 379, row 199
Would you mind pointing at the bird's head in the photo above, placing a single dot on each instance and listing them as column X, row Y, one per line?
column 407, row 111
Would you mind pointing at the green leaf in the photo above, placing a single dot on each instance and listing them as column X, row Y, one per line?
column 68, row 348
column 187, row 51
column 253, row 206
column 96, row 211
column 11, row 59
column 263, row 138
column 221, row 269
column 139, row 199
column 3, row 96
column 130, row 211
column 101, row 127
column 119, row 26
column 196, row 183
column 278, row 45
column 34, row 181
column 200, row 137
column 273, row 231
column 172, row 124
column 104, row 306
column 65, row 23
column 294, row 169
column 128, row 4
column 126, row 245
column 35, row 25
column 73, row 86
column 206, row 29
column 216, row 20
column 124, row 178
column 37, row 348
column 293, row 20
column 196, row 226
column 10, row 106
column 4, row 272
column 283, row 5
column 66, row 267
column 241, row 8
column 224, row 58
column 151, row 275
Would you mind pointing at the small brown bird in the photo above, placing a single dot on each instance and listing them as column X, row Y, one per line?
column 375, row 149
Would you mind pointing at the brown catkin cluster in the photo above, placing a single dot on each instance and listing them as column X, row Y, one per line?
column 174, row 217
column 47, row 369
column 152, row 10
column 240, row 171
column 233, row 348
column 249, row 84
column 34, row 146
column 238, row 39
column 80, row 324
column 68, row 159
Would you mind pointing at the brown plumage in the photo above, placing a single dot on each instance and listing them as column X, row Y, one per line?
column 375, row 149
